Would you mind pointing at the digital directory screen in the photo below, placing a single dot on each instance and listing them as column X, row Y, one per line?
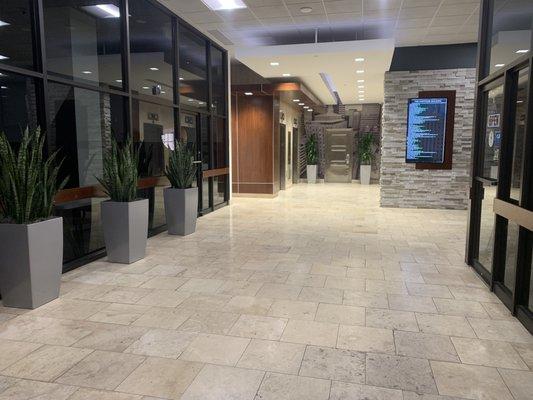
column 426, row 130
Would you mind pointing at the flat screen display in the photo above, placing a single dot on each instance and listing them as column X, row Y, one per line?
column 426, row 130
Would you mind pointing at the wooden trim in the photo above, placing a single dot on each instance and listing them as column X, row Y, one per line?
column 215, row 172
column 73, row 194
column 514, row 213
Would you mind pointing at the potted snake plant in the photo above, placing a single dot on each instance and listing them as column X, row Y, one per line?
column 31, row 239
column 181, row 198
column 366, row 155
column 311, row 153
column 124, row 215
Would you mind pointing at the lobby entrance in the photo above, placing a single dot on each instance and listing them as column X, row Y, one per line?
column 500, row 239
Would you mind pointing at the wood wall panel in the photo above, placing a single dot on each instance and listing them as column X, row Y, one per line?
column 252, row 137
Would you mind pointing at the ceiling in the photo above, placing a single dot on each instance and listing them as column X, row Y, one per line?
column 278, row 22
column 337, row 60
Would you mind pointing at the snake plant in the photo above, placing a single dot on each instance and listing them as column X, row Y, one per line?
column 121, row 171
column 28, row 181
column 311, row 150
column 181, row 169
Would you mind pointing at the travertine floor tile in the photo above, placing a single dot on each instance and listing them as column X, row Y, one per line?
column 94, row 394
column 411, row 303
column 24, row 390
column 462, row 308
column 526, row 352
column 267, row 355
column 47, row 363
column 259, row 327
column 101, row 370
column 289, row 387
column 340, row 314
column 444, row 325
column 218, row 382
column 111, row 337
column 353, row 391
column 391, row 319
column 366, row 299
column 512, row 331
column 488, row 353
column 123, row 314
column 469, row 381
column 161, row 343
column 321, row 295
column 395, row 372
column 293, row 309
column 210, row 322
column 310, row 332
column 249, row 305
column 336, row 364
column 12, row 351
column 279, row 291
column 303, row 279
column 160, row 377
column 216, row 349
column 164, row 318
column 424, row 345
column 520, row 383
column 164, row 282
column 367, row 339
column 163, row 298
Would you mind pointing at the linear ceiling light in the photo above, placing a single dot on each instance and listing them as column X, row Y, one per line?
column 360, row 71
column 248, row 93
column 3, row 23
column 499, row 65
column 286, row 75
column 274, row 63
column 360, row 80
column 521, row 51
column 359, row 59
column 3, row 57
column 296, row 100
column 224, row 4
column 301, row 104
column 112, row 10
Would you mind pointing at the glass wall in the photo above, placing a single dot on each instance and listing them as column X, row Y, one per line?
column 83, row 41
column 89, row 89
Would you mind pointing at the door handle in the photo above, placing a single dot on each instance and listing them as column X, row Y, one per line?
column 347, row 159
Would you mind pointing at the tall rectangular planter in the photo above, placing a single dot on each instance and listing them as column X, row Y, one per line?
column 181, row 210
column 125, row 227
column 31, row 262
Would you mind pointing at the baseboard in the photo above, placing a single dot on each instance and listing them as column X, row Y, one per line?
column 256, row 195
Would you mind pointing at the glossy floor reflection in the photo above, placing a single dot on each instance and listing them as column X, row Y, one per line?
column 318, row 294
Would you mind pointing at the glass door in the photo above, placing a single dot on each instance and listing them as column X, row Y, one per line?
column 194, row 131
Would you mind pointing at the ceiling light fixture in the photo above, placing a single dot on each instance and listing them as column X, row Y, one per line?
column 521, row 51
column 306, row 10
column 112, row 10
column 224, row 4
column 163, row 92
column 360, row 80
column 248, row 94
column 499, row 65
column 301, row 104
column 361, row 86
column 181, row 78
column 154, row 69
column 296, row 100
column 146, row 87
column 191, row 100
column 86, row 72
column 3, row 57
column 361, row 91
column 118, row 80
column 360, row 71
column 519, row 101
column 310, row 109
column 274, row 63
column 3, row 87
column 286, row 75
column 4, row 23
column 306, row 107
column 359, row 59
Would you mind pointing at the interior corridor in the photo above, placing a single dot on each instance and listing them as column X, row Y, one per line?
column 317, row 294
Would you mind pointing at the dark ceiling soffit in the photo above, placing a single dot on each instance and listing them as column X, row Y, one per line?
column 270, row 88
column 420, row 58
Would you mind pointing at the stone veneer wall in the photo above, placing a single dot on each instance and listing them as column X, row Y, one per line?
column 401, row 184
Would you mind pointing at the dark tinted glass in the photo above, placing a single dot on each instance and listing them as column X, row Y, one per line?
column 81, row 125
column 16, row 47
column 153, row 127
column 519, row 135
column 151, row 50
column 218, row 81
column 511, row 32
column 18, row 105
column 83, row 41
column 219, row 189
column 193, row 69
column 219, row 144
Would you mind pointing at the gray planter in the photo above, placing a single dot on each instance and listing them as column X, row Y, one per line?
column 365, row 174
column 311, row 174
column 125, row 230
column 31, row 261
column 181, row 209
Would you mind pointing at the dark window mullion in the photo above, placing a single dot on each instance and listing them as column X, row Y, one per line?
column 126, row 63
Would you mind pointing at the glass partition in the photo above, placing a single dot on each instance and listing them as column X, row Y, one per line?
column 16, row 43
column 83, row 41
column 151, row 49
column 218, row 81
column 192, row 69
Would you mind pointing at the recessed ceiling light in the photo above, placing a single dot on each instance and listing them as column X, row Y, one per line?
column 224, row 4
column 3, row 87
column 499, row 65
column 286, row 75
column 86, row 72
column 248, row 94
column 191, row 100
column 118, row 80
column 519, row 101
column 310, row 109
column 3, row 57
column 521, row 51
column 359, row 59
column 201, row 103
column 110, row 9
column 154, row 69
column 163, row 92
column 361, row 91
column 306, row 10
column 1, row 74
column 360, row 80
column 3, row 23
column 360, row 71
column 361, row 86
column 181, row 78
column 146, row 87
column 274, row 63
column 301, row 104
column 296, row 100
column 306, row 107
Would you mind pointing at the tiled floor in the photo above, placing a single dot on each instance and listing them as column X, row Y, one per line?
column 318, row 294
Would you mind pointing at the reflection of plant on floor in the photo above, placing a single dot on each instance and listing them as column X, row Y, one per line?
column 311, row 150
column 28, row 182
column 366, row 152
